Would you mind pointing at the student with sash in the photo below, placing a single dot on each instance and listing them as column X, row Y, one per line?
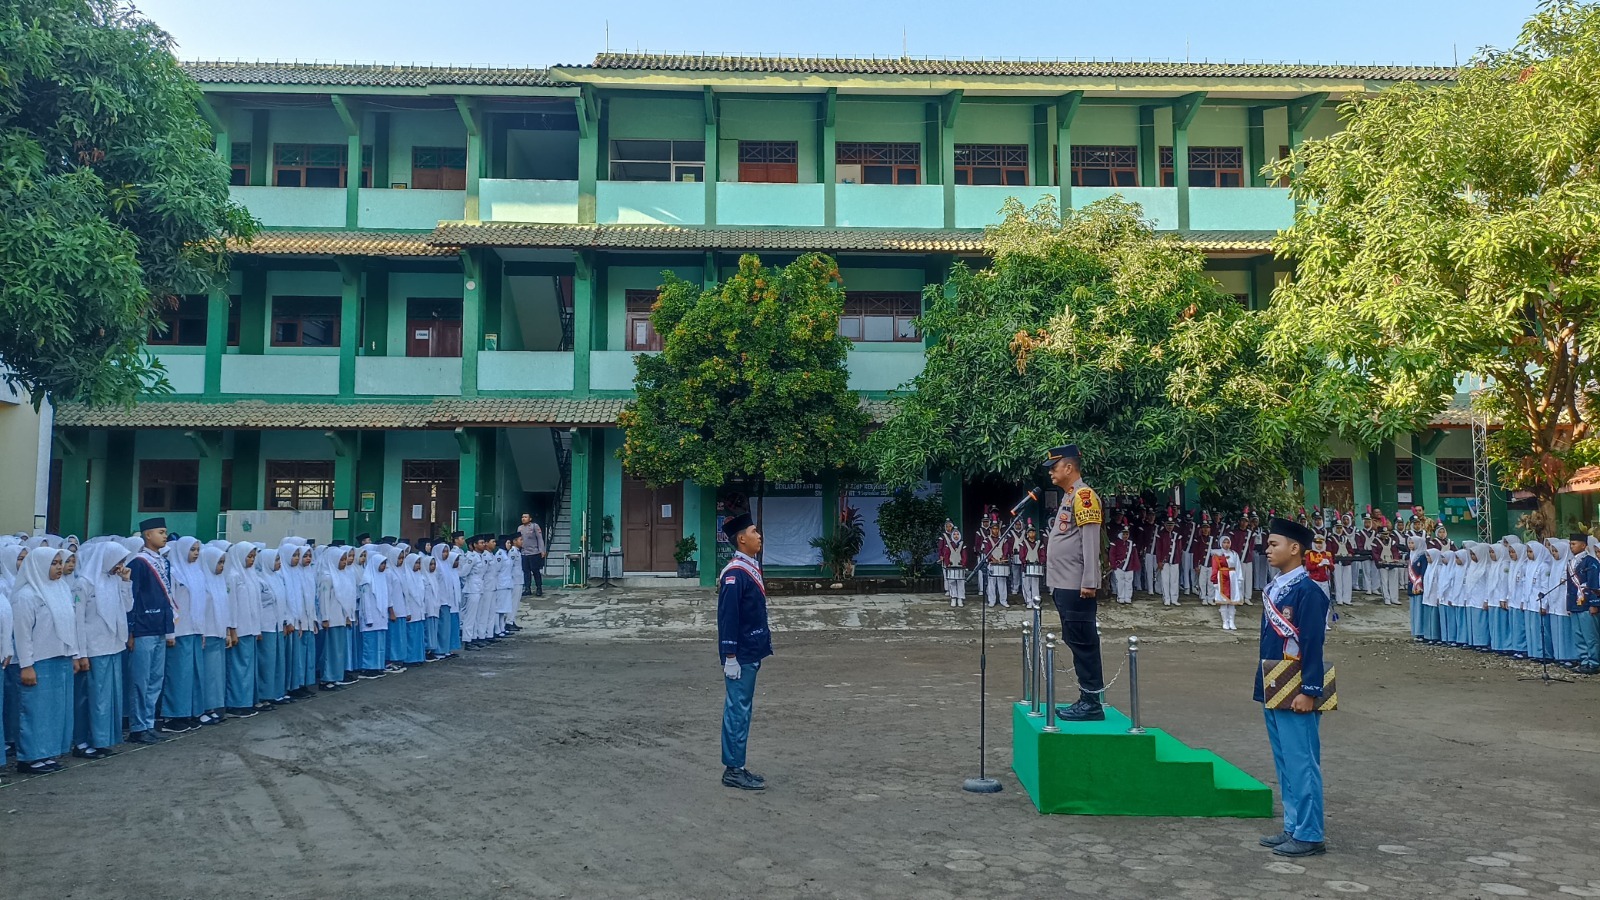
column 1293, row 626
column 743, row 641
column 151, row 625
column 1583, row 602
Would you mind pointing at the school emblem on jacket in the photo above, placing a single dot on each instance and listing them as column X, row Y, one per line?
column 1086, row 508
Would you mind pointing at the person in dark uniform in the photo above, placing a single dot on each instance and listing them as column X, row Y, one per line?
column 1073, row 574
column 1294, row 620
column 743, row 641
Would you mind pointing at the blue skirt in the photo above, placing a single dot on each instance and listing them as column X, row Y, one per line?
column 97, row 706
column 452, row 637
column 46, row 726
column 308, row 658
column 241, row 692
column 1517, row 631
column 1416, row 615
column 1478, row 627
column 269, row 666
column 334, row 642
column 214, row 673
column 1430, row 623
column 1563, row 643
column 374, row 646
column 399, row 637
column 416, row 638
column 1534, row 626
column 180, row 694
column 434, row 634
column 11, row 706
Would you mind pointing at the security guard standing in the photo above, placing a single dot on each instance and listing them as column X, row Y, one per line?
column 1073, row 574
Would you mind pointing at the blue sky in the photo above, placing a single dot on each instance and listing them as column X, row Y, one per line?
column 539, row 33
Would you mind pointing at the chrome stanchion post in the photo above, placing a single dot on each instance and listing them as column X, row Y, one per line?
column 1035, row 692
column 1036, row 660
column 1050, row 683
column 1133, row 684
column 1027, row 663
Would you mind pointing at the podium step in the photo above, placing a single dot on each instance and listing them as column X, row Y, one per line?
column 1099, row 769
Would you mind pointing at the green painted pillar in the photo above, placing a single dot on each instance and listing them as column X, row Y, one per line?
column 472, row 318
column 246, row 471
column 380, row 150
column 350, row 114
column 375, row 310
column 346, row 444
column 1184, row 112
column 1499, row 504
column 1385, row 483
column 706, row 535
column 1311, row 480
column 489, row 515
column 713, row 144
column 467, row 495
column 1360, row 481
column 217, row 310
column 260, row 147
column 74, row 493
column 588, row 109
column 1066, row 112
column 828, row 155
column 950, row 486
column 709, row 274
column 209, row 499
column 1256, row 145
column 1149, row 160
column 582, row 457
column 473, row 122
column 932, row 173
column 1425, row 471
column 349, row 316
column 583, row 304
column 948, row 108
column 1039, row 146
column 831, row 510
column 370, row 447
column 121, row 474
column 253, row 313
column 1191, row 495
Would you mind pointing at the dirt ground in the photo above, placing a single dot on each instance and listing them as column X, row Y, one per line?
column 580, row 760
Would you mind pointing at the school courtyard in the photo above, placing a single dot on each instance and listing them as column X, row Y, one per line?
column 579, row 759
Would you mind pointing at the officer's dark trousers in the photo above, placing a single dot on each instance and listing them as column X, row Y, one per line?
column 1078, row 629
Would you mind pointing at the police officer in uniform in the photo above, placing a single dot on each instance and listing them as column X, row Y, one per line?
column 1073, row 574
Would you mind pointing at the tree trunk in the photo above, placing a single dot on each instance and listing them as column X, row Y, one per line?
column 1548, row 524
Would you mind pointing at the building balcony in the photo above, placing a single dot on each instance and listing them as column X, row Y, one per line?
column 389, row 208
column 612, row 370
column 650, row 203
column 409, row 376
column 293, row 207
column 523, row 200
column 281, row 373
column 793, row 205
column 186, row 368
column 1160, row 204
column 889, row 205
column 520, row 370
column 1239, row 209
column 978, row 205
column 885, row 367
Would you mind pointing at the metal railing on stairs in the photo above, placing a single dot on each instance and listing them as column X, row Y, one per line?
column 564, row 310
column 561, row 439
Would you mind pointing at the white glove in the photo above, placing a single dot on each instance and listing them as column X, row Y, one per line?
column 730, row 668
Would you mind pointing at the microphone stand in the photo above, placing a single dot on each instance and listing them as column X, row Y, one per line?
column 983, row 784
column 1544, row 675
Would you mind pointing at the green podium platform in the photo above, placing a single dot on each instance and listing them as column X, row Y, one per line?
column 1098, row 769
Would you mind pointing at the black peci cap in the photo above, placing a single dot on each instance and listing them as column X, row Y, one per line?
column 153, row 523
column 732, row 527
column 1294, row 531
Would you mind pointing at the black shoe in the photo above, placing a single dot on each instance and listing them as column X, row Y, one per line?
column 242, row 712
column 213, row 718
column 329, row 686
column 38, row 767
column 1085, row 710
column 175, row 726
column 371, row 674
column 145, row 737
column 265, row 706
column 538, row 593
column 513, row 628
column 742, row 779
column 349, row 679
column 92, row 752
column 1276, row 840
column 1293, row 847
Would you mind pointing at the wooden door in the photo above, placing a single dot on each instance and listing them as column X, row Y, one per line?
column 433, row 337
column 429, row 491
column 652, row 524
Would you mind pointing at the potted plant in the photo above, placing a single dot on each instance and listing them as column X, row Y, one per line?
column 839, row 549
column 684, row 554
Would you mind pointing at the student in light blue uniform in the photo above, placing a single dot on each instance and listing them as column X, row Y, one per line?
column 45, row 634
column 244, row 616
column 336, row 606
column 1563, row 644
column 105, row 596
column 269, row 652
column 8, row 650
column 181, row 703
column 215, row 635
column 373, row 602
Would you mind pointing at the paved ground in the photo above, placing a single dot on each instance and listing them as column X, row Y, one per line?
column 579, row 760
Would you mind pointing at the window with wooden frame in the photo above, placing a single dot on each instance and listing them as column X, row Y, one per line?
column 869, row 163
column 1283, row 153
column 239, row 157
column 1105, row 166
column 881, row 317
column 316, row 165
column 1336, row 470
column 303, row 484
column 1005, row 164
column 439, row 168
column 1455, row 477
column 769, row 162
column 169, row 485
column 641, row 333
column 305, row 321
column 1208, row 167
column 658, row 160
column 185, row 318
column 1405, row 480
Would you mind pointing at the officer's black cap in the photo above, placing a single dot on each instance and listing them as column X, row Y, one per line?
column 732, row 527
column 153, row 523
column 1294, row 531
column 1057, row 454
column 1578, row 536
column 363, row 536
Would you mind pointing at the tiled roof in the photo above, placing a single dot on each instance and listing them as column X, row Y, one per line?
column 676, row 237
column 343, row 243
column 1014, row 68
column 443, row 413
column 361, row 75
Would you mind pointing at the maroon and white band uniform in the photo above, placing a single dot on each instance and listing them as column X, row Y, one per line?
column 1124, row 564
column 953, row 560
column 1169, row 557
column 1030, row 552
column 997, row 550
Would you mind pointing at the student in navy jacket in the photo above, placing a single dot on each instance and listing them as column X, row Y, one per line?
column 150, row 632
column 1294, row 620
column 743, row 641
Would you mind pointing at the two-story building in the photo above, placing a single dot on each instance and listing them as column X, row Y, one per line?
column 441, row 336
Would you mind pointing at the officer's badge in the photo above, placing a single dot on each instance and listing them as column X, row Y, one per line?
column 1086, row 508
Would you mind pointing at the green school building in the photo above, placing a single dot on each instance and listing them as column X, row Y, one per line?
column 441, row 336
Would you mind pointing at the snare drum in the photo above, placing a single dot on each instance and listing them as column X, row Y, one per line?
column 999, row 570
column 1033, row 570
column 954, row 573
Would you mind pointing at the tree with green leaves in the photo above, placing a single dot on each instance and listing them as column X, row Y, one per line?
column 113, row 200
column 750, row 383
column 1456, row 230
column 1094, row 329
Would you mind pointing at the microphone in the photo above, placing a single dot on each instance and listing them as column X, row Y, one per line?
column 1016, row 510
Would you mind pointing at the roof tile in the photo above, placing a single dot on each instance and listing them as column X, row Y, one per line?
column 361, row 75
column 342, row 243
column 253, row 414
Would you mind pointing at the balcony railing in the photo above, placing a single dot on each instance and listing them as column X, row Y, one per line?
column 650, row 203
column 518, row 200
column 293, row 207
column 186, row 371
column 280, row 373
column 422, row 376
column 889, row 205
column 524, row 370
column 794, row 205
column 1240, row 209
column 410, row 209
column 884, row 369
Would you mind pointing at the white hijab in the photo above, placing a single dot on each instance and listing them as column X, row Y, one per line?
column 34, row 585
column 95, row 561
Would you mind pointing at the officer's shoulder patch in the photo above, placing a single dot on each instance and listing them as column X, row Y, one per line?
column 730, row 580
column 1086, row 507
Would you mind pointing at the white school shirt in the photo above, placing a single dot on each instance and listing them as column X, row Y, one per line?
column 7, row 646
column 35, row 634
column 95, row 637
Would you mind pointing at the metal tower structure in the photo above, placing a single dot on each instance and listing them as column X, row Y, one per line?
column 1482, row 488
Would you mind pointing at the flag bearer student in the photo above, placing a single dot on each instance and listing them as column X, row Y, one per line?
column 216, row 635
column 1073, row 575
column 1169, row 558
column 151, row 627
column 953, row 560
column 1029, row 554
column 1124, row 563
column 1319, row 564
column 1583, row 602
column 181, row 704
column 1293, row 626
column 45, row 633
column 743, row 641
column 510, row 572
column 1227, row 586
column 1244, row 544
column 244, row 620
column 104, row 598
